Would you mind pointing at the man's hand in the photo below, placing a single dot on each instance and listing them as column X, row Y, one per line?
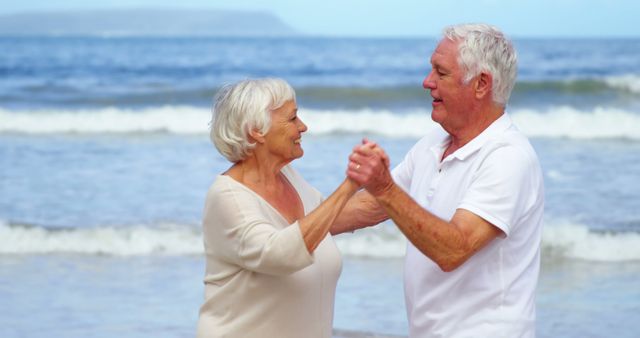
column 369, row 167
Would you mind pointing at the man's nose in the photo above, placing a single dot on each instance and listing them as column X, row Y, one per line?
column 428, row 82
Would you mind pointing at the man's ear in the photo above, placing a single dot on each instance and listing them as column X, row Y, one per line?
column 256, row 136
column 484, row 84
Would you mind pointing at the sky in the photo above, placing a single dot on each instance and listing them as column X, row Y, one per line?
column 390, row 18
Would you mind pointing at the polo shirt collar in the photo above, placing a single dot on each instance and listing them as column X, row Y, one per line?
column 496, row 128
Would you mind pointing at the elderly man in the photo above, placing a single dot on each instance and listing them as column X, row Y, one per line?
column 469, row 197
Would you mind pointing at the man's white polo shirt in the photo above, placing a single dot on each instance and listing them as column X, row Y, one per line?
column 497, row 177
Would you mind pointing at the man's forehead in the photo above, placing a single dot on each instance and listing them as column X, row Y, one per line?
column 444, row 50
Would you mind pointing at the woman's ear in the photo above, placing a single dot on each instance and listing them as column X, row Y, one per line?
column 256, row 136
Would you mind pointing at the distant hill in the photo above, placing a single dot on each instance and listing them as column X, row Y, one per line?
column 145, row 22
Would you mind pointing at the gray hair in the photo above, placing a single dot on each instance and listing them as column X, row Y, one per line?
column 484, row 48
column 242, row 107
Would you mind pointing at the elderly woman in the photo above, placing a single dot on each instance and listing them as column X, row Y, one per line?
column 271, row 264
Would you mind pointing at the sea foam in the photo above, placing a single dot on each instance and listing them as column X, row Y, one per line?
column 558, row 122
column 560, row 238
column 628, row 82
column 113, row 241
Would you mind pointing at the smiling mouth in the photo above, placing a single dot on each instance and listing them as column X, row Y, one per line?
column 298, row 141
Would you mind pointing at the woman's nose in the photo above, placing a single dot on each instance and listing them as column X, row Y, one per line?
column 302, row 127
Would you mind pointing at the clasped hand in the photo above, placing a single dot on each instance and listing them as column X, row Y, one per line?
column 369, row 167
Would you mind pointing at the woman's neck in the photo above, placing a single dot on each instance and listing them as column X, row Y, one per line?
column 266, row 180
column 257, row 170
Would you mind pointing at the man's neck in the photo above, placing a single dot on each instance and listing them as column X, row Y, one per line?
column 460, row 138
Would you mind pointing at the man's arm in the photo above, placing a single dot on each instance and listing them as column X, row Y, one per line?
column 448, row 243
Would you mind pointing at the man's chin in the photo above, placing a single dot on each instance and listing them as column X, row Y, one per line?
column 437, row 116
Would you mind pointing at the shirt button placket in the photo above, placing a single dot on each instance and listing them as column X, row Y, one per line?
column 433, row 186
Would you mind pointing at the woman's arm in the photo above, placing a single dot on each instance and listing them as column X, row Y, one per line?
column 316, row 225
column 360, row 211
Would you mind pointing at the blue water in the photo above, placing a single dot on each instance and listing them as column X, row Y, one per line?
column 105, row 161
column 144, row 71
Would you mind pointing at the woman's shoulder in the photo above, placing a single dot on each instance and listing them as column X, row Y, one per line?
column 224, row 187
column 222, row 183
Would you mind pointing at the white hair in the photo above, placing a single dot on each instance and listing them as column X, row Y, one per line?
column 242, row 107
column 484, row 48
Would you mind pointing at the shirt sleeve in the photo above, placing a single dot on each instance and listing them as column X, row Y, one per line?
column 236, row 228
column 503, row 187
column 403, row 172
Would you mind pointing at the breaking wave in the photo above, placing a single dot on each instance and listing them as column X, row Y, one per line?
column 558, row 122
column 560, row 238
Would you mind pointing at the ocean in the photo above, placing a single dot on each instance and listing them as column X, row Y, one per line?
column 105, row 161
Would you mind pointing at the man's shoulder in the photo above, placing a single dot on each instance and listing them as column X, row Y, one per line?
column 513, row 148
column 510, row 137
